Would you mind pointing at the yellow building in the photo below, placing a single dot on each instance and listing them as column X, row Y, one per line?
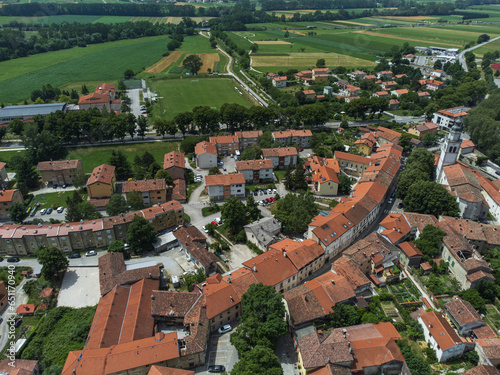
column 354, row 165
column 151, row 191
column 365, row 144
column 101, row 184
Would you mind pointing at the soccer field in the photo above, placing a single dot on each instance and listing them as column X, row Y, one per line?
column 182, row 95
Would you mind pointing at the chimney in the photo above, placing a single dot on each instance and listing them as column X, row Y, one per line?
column 232, row 300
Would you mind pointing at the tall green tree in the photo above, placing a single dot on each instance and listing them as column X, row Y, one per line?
column 26, row 176
column 344, row 316
column 78, row 209
column 429, row 197
column 407, row 178
column 121, row 164
column 251, row 153
column 345, row 185
column 135, row 201
column 422, row 159
column 192, row 63
column 141, row 235
column 260, row 360
column 295, row 212
column 53, row 262
column 162, row 174
column 214, row 170
column 116, row 205
column 142, row 126
column 41, row 146
column 252, row 208
column 17, row 213
column 429, row 241
column 233, row 212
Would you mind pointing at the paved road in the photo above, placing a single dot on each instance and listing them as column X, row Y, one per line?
column 20, row 298
column 135, row 105
column 461, row 57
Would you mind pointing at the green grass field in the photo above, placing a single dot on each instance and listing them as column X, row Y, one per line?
column 181, row 95
column 98, row 62
column 91, row 157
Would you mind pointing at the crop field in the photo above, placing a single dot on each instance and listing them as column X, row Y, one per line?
column 182, row 95
column 175, row 20
column 164, row 63
column 97, row 62
column 208, row 60
column 65, row 18
column 305, row 60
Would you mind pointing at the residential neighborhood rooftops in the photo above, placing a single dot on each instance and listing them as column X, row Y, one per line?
column 271, row 267
column 225, row 179
column 174, row 159
column 57, row 165
column 482, row 370
column 224, row 139
column 410, row 249
column 455, row 112
column 462, row 311
column 143, row 185
column 103, row 174
column 248, row 134
column 204, row 148
column 466, row 143
column 160, row 370
column 293, row 132
column 351, row 157
column 440, row 329
column 299, row 253
column 254, row 165
column 279, row 151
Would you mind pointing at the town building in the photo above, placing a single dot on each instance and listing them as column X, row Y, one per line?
column 279, row 81
column 410, row 256
column 466, row 147
column 358, row 74
column 151, row 191
column 225, row 144
column 301, row 138
column 206, row 155
column 263, row 232
column 464, row 317
column 365, row 144
column 431, row 84
column 195, row 247
column 381, row 94
column 446, row 118
column 423, row 129
column 175, row 164
column 3, row 175
column 386, row 135
column 19, row 367
column 223, row 186
column 255, row 171
column 385, row 74
column 309, row 94
column 440, row 336
column 248, row 138
column 101, row 183
column 482, row 370
column 60, row 172
column 7, row 199
column 366, row 348
column 352, row 164
column 99, row 101
column 281, row 157
column 26, row 112
column 394, row 104
column 400, row 92
column 324, row 175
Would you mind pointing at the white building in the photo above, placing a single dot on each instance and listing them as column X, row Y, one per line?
column 223, row 186
column 255, row 170
column 206, row 155
column 449, row 150
column 279, row 82
column 446, row 118
column 440, row 336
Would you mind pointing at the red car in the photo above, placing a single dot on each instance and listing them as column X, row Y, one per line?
column 214, row 223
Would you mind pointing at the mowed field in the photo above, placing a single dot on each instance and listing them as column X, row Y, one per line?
column 305, row 60
column 182, row 95
column 98, row 62
column 208, row 60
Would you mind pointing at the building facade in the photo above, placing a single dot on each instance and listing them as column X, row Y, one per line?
column 59, row 173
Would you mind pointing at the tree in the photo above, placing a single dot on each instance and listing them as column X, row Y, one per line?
column 438, row 64
column 116, row 247
column 129, row 73
column 320, row 63
column 416, row 364
column 214, row 170
column 252, row 208
column 475, row 299
column 17, row 213
column 192, row 63
column 295, row 212
column 122, row 86
column 430, row 139
column 26, row 176
column 80, row 179
column 41, row 146
column 429, row 197
column 407, row 178
column 135, row 201
column 142, row 124
column 183, row 120
column 423, row 159
column 345, row 185
column 162, row 174
column 233, row 212
column 260, row 360
column 141, row 235
column 53, row 262
column 483, row 38
column 16, row 126
column 344, row 315
column 429, row 241
column 78, row 209
column 116, row 205
column 405, row 142
column 251, row 153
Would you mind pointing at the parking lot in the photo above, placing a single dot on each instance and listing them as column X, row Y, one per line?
column 46, row 217
column 80, row 287
column 219, row 352
column 229, row 164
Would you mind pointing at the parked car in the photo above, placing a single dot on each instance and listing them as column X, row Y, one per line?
column 255, row 193
column 90, row 253
column 204, row 229
column 18, row 323
column 49, row 211
column 13, row 260
column 260, row 192
column 269, row 191
column 216, row 368
column 391, row 200
column 43, row 211
column 60, row 209
column 264, row 191
column 214, row 223
column 225, row 328
column 224, row 169
column 1, row 259
column 275, row 191
column 218, row 220
column 74, row 256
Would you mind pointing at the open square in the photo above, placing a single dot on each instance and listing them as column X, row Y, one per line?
column 80, row 287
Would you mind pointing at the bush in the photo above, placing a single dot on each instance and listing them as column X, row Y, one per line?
column 254, row 248
column 241, row 237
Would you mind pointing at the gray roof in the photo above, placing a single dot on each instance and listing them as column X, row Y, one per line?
column 264, row 230
column 31, row 109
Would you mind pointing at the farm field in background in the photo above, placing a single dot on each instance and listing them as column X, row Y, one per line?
column 182, row 95
column 98, row 62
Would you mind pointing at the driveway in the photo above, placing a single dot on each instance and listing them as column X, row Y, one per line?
column 239, row 253
column 135, row 103
column 80, row 287
column 219, row 352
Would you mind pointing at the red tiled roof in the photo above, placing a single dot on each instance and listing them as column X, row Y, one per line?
column 160, row 370
column 224, row 179
column 7, row 195
column 174, row 159
column 309, row 92
column 94, row 98
column 462, row 311
column 484, row 332
column 482, row 370
column 26, row 309
column 103, row 173
column 299, row 253
column 280, row 151
column 248, row 134
column 179, row 192
column 205, row 147
column 57, row 165
column 410, row 249
column 255, row 165
column 224, row 139
column 466, row 144
column 271, row 267
column 440, row 329
column 350, row 157
column 143, row 185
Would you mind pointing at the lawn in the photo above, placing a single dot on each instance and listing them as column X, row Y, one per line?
column 182, row 95
column 53, row 200
column 93, row 156
column 98, row 62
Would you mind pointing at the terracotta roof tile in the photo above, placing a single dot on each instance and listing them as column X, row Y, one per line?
column 57, row 165
column 7, row 195
column 204, row 148
column 410, row 249
column 160, row 370
column 280, row 151
column 224, row 139
column 248, row 133
column 339, row 155
column 172, row 304
column 254, row 165
column 440, row 329
column 299, row 253
column 225, row 179
column 462, row 311
column 490, row 348
column 174, row 159
column 482, row 370
column 103, row 173
column 484, row 332
column 271, row 267
column 143, row 185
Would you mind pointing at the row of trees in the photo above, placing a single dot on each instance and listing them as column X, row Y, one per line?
column 256, row 338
